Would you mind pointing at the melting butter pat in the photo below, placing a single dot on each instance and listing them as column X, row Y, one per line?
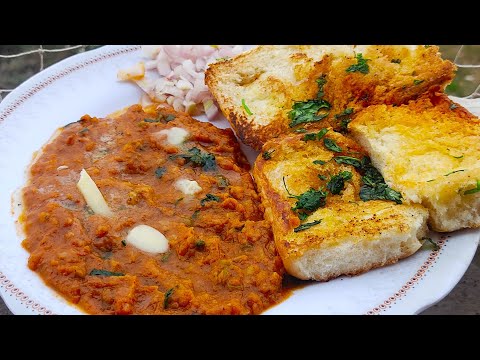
column 147, row 239
column 92, row 195
column 175, row 135
column 188, row 187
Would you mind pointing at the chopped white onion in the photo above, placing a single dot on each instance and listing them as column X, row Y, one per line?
column 184, row 85
column 179, row 75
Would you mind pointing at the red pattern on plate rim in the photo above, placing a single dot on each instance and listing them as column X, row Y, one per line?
column 21, row 297
column 4, row 282
column 27, row 302
column 419, row 275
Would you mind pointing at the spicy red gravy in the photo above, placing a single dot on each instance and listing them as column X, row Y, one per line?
column 221, row 258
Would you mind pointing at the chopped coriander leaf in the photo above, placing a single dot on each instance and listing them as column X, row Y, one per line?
column 98, row 272
column 396, row 61
column 307, row 112
column 178, row 201
column 361, row 65
column 348, row 160
column 267, row 155
column 457, row 157
column 337, row 182
column 247, row 110
column 313, row 136
column 124, row 243
column 222, row 182
column 306, row 226
column 417, row 82
column 321, row 81
column 302, row 216
column 431, row 242
column 310, row 200
column 319, row 162
column 380, row 191
column 474, row 190
column 206, row 160
column 372, row 176
column 322, row 177
column 160, row 171
column 302, row 130
column 345, row 119
column 209, row 197
column 374, row 186
column 161, row 118
column 331, row 145
column 166, row 299
column 83, row 131
column 200, row 244
column 453, row 106
column 347, row 111
column 427, row 46
column 453, row 172
column 344, row 125
column 430, row 180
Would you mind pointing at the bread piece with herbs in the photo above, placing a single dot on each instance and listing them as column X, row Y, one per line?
column 276, row 89
column 429, row 151
column 331, row 211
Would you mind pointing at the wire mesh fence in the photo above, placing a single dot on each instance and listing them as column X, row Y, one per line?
column 20, row 62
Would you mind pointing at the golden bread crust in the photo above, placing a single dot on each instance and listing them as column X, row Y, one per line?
column 344, row 219
column 428, row 150
column 271, row 90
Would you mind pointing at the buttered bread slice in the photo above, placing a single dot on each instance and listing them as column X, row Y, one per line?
column 276, row 89
column 429, row 151
column 331, row 211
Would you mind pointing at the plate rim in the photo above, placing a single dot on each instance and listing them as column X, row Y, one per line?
column 50, row 75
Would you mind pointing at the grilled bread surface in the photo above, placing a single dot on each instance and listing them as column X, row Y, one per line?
column 348, row 235
column 428, row 150
column 257, row 89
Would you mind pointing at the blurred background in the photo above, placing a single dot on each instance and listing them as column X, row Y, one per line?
column 20, row 62
column 15, row 69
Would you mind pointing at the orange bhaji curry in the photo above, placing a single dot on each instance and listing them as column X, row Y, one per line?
column 187, row 180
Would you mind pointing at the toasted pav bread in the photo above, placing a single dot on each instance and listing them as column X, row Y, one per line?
column 342, row 235
column 429, row 151
column 257, row 89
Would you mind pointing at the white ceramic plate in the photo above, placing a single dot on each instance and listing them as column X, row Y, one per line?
column 86, row 84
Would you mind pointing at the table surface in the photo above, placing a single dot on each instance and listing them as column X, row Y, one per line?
column 463, row 300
